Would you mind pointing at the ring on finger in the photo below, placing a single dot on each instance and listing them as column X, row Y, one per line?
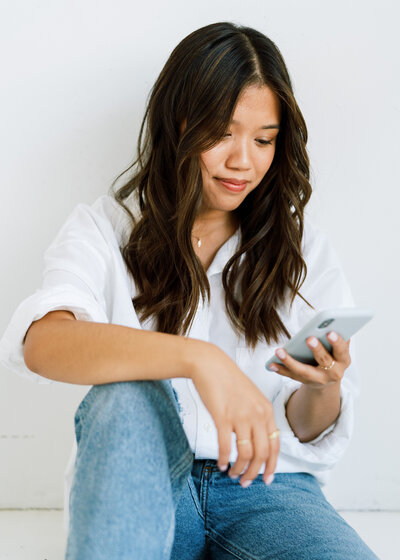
column 243, row 441
column 326, row 368
column 274, row 434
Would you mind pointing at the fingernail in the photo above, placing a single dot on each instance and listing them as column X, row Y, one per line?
column 246, row 483
column 273, row 367
column 313, row 342
column 223, row 468
column 269, row 479
column 281, row 354
column 234, row 475
column 333, row 336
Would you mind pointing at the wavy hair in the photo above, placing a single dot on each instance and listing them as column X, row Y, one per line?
column 200, row 85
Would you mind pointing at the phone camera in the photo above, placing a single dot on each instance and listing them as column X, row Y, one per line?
column 325, row 323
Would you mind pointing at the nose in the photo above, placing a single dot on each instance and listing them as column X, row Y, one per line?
column 239, row 155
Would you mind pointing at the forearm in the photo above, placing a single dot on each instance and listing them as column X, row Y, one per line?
column 310, row 411
column 87, row 353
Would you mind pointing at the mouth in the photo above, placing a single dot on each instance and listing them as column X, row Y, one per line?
column 234, row 185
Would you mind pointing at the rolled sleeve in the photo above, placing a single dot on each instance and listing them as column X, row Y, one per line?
column 75, row 278
column 62, row 297
column 321, row 454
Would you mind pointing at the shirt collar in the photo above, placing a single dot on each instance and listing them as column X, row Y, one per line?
column 225, row 252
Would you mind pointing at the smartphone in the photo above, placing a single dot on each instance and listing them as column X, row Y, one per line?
column 344, row 321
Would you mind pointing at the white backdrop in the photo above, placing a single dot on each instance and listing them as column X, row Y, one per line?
column 75, row 78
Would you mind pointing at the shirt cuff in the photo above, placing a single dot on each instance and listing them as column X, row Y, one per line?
column 324, row 451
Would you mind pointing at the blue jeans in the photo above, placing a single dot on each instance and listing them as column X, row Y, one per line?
column 139, row 494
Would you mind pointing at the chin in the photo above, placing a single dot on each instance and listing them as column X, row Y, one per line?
column 225, row 208
column 226, row 205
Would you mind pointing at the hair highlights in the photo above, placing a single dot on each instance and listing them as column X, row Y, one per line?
column 199, row 87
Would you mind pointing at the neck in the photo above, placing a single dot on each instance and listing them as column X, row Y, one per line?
column 213, row 222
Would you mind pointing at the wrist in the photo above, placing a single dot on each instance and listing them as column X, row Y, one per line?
column 328, row 388
column 199, row 357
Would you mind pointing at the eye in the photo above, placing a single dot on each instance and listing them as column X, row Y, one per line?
column 264, row 142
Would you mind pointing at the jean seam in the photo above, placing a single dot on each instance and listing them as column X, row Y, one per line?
column 195, row 498
column 179, row 469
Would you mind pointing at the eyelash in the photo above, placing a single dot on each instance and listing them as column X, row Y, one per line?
column 262, row 142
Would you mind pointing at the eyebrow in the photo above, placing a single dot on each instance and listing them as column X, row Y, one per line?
column 265, row 127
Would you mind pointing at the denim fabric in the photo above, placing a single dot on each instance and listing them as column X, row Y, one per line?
column 288, row 520
column 132, row 463
column 138, row 493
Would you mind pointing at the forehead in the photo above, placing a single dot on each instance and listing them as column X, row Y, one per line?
column 257, row 103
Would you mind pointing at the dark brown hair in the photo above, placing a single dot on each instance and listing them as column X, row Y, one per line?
column 200, row 85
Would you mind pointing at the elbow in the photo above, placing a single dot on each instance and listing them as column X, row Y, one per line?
column 32, row 342
column 29, row 351
column 36, row 335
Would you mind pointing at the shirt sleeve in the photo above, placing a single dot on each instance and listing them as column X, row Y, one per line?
column 75, row 278
column 325, row 287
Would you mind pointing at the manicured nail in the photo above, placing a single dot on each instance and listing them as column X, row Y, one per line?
column 313, row 342
column 234, row 475
column 281, row 354
column 274, row 367
column 269, row 479
column 223, row 468
column 246, row 483
column 333, row 336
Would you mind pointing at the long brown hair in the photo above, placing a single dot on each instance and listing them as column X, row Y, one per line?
column 200, row 85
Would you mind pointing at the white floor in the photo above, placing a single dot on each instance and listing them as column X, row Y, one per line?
column 39, row 534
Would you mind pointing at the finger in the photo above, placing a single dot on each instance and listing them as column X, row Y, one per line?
column 224, row 445
column 245, row 453
column 315, row 375
column 297, row 370
column 319, row 351
column 261, row 452
column 270, row 466
column 340, row 348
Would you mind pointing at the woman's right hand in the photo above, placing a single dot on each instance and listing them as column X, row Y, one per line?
column 236, row 405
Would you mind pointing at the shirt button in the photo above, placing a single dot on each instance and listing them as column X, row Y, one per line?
column 207, row 427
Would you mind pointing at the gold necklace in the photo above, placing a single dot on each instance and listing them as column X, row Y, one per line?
column 198, row 241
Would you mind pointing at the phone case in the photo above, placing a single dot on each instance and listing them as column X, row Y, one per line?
column 345, row 322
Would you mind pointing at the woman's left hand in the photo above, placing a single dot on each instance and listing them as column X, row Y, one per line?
column 315, row 376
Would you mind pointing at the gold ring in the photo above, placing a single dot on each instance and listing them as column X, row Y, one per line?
column 274, row 434
column 243, row 441
column 328, row 367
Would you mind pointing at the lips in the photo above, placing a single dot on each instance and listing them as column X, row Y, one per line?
column 231, row 184
column 232, row 181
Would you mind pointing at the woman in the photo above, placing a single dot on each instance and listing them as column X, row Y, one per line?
column 186, row 446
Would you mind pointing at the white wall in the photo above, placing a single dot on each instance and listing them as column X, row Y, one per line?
column 75, row 77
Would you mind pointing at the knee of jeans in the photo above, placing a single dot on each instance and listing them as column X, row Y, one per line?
column 129, row 394
column 125, row 391
column 120, row 400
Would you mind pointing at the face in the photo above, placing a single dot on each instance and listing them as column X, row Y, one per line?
column 236, row 165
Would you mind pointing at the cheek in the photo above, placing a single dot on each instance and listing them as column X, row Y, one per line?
column 211, row 159
column 205, row 165
column 264, row 163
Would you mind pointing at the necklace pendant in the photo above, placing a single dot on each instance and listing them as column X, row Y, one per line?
column 199, row 243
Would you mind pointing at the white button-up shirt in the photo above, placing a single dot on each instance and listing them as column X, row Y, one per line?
column 85, row 273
